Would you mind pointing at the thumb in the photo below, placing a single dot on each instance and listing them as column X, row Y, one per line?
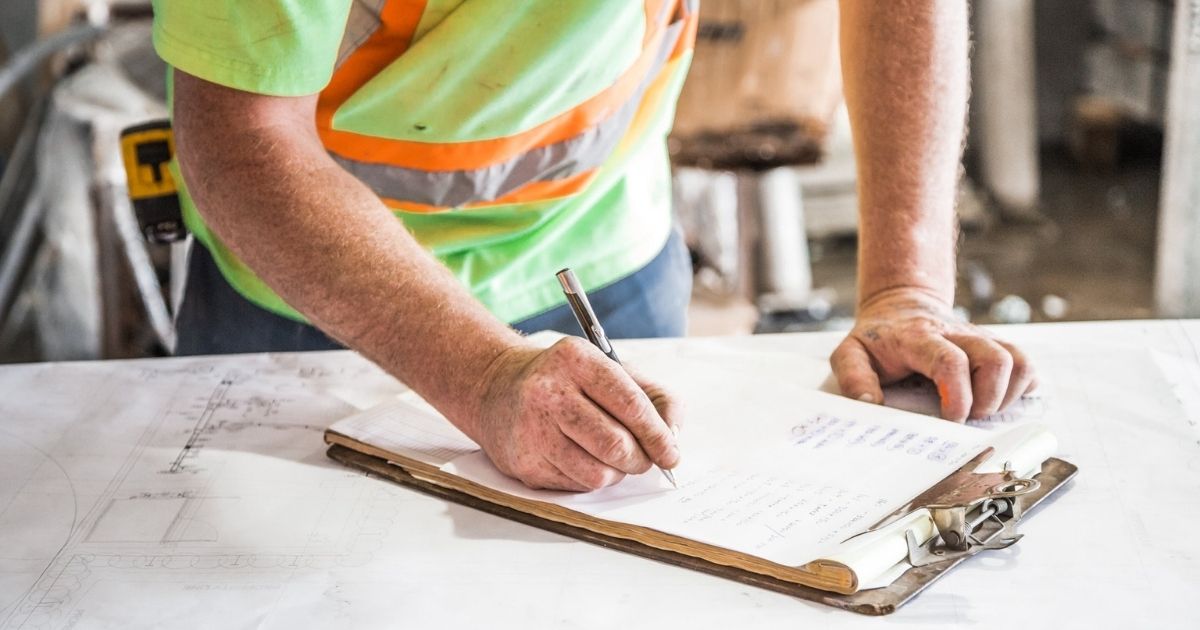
column 856, row 378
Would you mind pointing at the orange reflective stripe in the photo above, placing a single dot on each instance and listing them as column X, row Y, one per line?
column 483, row 153
column 650, row 102
column 533, row 191
column 398, row 22
column 653, row 97
column 687, row 39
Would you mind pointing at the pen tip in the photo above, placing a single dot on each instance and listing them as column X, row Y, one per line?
column 670, row 477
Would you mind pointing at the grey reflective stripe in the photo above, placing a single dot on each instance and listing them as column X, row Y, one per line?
column 361, row 24
column 560, row 160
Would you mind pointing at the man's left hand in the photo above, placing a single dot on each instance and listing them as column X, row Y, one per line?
column 905, row 331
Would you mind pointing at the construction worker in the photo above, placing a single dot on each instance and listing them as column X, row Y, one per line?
column 404, row 177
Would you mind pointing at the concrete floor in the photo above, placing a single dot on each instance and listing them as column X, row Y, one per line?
column 1093, row 247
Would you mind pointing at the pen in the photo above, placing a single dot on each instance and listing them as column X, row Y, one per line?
column 592, row 328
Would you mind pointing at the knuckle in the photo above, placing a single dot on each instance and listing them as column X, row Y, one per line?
column 949, row 362
column 641, row 466
column 631, row 402
column 1021, row 371
column 568, row 420
column 570, row 348
column 611, row 477
column 995, row 364
column 843, row 358
column 594, row 478
column 658, row 442
column 1000, row 359
column 613, row 447
column 926, row 327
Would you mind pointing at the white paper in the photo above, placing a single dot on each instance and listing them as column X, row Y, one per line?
column 409, row 426
column 769, row 468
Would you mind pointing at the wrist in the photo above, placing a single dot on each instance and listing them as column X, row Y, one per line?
column 494, row 368
column 450, row 371
column 914, row 293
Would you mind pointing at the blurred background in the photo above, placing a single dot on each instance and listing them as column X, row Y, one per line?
column 1076, row 203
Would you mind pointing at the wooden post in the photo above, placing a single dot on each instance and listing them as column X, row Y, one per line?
column 1177, row 282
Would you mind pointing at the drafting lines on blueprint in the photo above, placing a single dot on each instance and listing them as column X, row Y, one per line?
column 199, row 478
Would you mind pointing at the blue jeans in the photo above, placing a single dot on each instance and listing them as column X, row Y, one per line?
column 216, row 319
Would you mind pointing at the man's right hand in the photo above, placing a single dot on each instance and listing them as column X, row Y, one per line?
column 569, row 418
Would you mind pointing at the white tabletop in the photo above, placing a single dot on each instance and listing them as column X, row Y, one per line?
column 196, row 493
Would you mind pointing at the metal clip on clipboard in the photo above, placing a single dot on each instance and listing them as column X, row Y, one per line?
column 971, row 512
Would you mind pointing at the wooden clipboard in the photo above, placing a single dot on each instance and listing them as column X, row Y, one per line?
column 881, row 601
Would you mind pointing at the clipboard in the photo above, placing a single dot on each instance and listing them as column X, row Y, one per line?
column 930, row 560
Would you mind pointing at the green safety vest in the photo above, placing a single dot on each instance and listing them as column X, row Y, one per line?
column 511, row 138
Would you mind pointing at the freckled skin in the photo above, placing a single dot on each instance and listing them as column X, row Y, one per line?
column 566, row 418
column 900, row 333
column 905, row 74
column 558, row 428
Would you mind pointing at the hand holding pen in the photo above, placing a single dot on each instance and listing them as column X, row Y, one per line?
column 582, row 308
column 568, row 417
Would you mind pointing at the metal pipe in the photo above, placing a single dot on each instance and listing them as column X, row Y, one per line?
column 20, row 192
column 27, row 59
column 14, row 260
column 786, row 264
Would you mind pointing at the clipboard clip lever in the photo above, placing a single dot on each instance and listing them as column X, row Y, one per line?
column 972, row 512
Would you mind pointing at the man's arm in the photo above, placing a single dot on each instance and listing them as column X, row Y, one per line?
column 565, row 418
column 906, row 83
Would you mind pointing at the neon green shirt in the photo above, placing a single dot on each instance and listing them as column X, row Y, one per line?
column 475, row 72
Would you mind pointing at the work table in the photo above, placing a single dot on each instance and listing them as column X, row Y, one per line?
column 195, row 492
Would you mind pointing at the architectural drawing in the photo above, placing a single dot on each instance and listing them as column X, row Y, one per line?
column 198, row 478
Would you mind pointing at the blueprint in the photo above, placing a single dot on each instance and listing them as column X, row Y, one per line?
column 198, row 482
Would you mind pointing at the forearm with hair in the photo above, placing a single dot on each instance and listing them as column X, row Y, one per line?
column 327, row 245
column 905, row 71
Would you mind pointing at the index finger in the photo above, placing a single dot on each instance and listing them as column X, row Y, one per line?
column 615, row 391
column 667, row 405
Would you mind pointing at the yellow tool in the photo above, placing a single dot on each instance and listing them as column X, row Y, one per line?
column 146, row 150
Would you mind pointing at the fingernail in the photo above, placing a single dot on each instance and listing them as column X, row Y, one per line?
column 675, row 430
column 867, row 398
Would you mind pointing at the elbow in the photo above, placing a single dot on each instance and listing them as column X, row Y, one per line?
column 230, row 143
